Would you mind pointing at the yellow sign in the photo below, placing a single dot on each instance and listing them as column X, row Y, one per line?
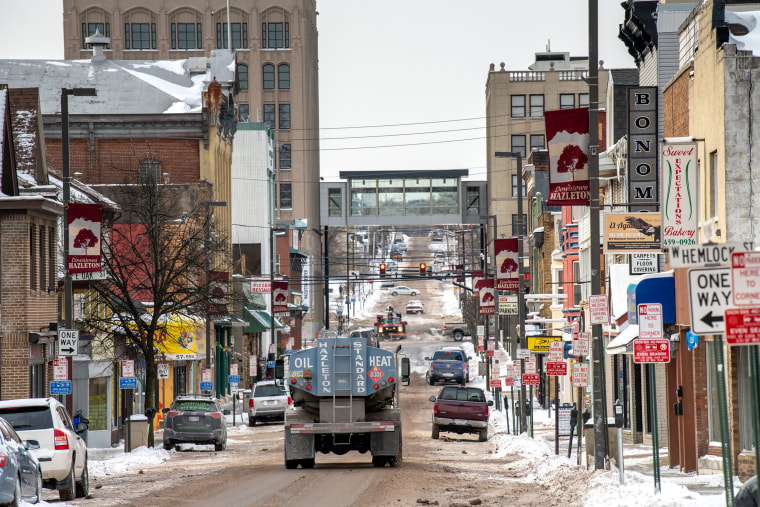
column 181, row 337
column 540, row 344
column 632, row 232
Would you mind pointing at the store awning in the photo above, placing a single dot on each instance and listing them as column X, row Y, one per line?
column 258, row 320
column 623, row 342
column 653, row 288
column 295, row 251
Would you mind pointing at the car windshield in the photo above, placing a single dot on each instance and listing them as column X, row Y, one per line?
column 206, row 406
column 447, row 356
column 28, row 418
column 459, row 394
column 268, row 390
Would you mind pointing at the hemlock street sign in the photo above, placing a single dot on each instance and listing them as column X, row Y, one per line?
column 704, row 255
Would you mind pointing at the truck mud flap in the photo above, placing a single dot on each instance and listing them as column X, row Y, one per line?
column 386, row 443
column 298, row 445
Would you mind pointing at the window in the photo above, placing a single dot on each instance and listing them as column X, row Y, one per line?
column 566, row 100
column 334, row 204
column 284, row 156
column 275, row 35
column 52, row 274
column 518, row 106
column 284, row 117
column 286, row 196
column 583, row 100
column 515, row 230
column 90, row 28
column 711, row 192
column 514, row 187
column 283, row 76
column 536, row 106
column 32, row 257
column 187, row 36
column 244, row 113
column 269, row 116
column 242, row 76
column 142, row 35
column 41, row 253
column 150, row 172
column 268, row 76
column 577, row 288
column 98, row 414
column 536, row 142
column 473, row 201
column 239, row 35
column 518, row 145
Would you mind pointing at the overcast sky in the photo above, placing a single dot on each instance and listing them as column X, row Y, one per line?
column 397, row 63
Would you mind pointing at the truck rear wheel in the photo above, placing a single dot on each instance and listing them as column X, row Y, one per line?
column 379, row 461
column 307, row 463
column 458, row 335
column 291, row 464
column 436, row 432
column 483, row 435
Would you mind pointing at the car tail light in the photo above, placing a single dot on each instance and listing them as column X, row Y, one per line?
column 250, row 403
column 3, row 457
column 216, row 415
column 173, row 413
column 61, row 440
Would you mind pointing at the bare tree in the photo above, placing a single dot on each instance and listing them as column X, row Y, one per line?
column 155, row 258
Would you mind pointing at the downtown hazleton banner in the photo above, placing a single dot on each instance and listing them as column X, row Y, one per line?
column 280, row 297
column 567, row 137
column 486, row 297
column 678, row 207
column 505, row 251
column 477, row 276
column 84, row 225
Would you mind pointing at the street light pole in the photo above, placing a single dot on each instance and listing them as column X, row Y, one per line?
column 206, row 242
column 521, row 290
column 68, row 304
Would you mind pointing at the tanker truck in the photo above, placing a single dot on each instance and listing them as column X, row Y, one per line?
column 343, row 395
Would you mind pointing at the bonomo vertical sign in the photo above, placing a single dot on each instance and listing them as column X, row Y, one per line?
column 678, row 163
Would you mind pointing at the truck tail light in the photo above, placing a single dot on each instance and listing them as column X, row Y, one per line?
column 435, row 408
column 486, row 410
column 250, row 403
column 61, row 440
column 290, row 400
column 431, row 366
column 444, row 327
column 464, row 366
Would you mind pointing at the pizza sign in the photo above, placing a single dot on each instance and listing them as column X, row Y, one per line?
column 375, row 373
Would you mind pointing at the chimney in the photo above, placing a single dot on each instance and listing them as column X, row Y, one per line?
column 98, row 41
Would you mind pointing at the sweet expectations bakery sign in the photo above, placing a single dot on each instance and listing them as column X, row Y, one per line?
column 678, row 206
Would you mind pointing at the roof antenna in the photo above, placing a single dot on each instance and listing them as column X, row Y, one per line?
column 548, row 45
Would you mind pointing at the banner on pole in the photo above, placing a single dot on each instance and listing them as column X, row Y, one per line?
column 567, row 134
column 84, row 225
column 507, row 270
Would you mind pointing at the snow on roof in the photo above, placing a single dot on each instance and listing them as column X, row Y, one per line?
column 123, row 86
column 748, row 19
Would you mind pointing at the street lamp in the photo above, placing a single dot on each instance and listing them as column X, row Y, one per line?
column 68, row 312
column 206, row 242
column 495, row 290
column 520, row 291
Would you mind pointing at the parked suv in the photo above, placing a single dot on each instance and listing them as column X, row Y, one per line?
column 195, row 419
column 269, row 402
column 63, row 453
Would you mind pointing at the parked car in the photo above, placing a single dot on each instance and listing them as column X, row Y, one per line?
column 20, row 472
column 450, row 364
column 403, row 290
column 461, row 410
column 62, row 452
column 195, row 419
column 269, row 402
column 415, row 306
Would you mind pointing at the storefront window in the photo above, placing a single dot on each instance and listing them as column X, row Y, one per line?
column 98, row 414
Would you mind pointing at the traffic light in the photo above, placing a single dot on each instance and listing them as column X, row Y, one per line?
column 382, row 268
column 423, row 269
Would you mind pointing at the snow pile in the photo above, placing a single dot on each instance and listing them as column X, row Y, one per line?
column 105, row 462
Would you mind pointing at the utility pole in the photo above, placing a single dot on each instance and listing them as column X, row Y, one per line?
column 600, row 423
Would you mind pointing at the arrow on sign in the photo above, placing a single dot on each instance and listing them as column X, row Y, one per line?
column 709, row 319
column 69, row 351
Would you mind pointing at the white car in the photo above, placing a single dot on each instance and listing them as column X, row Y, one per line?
column 268, row 402
column 62, row 453
column 404, row 290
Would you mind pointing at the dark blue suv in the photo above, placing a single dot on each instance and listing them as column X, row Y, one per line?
column 449, row 364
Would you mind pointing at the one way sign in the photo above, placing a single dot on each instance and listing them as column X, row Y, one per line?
column 709, row 297
column 68, row 342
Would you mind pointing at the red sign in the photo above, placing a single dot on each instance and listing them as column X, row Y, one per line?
column 487, row 298
column 60, row 369
column 280, row 295
column 743, row 326
column 496, row 382
column 530, row 364
column 260, row 285
column 567, row 137
column 580, row 375
column 598, row 309
column 84, row 237
column 745, row 278
column 506, row 264
column 509, row 381
column 650, row 321
column 554, row 368
column 651, row 351
column 375, row 373
column 530, row 379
